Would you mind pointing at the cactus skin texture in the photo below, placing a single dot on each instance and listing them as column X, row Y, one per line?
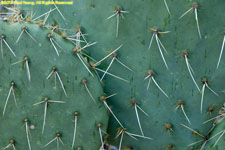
column 60, row 116
column 135, row 31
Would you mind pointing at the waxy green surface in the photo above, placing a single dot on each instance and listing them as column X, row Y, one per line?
column 60, row 117
column 176, row 81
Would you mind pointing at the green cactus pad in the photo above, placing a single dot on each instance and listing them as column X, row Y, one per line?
column 43, row 60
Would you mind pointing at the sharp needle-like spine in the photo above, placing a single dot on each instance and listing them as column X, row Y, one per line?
column 140, row 136
column 84, row 81
column 221, row 52
column 83, row 37
column 87, row 45
column 17, row 62
column 142, row 110
column 189, row 70
column 107, row 68
column 9, row 47
column 2, row 48
column 100, row 135
column 121, row 140
column 44, row 14
column 14, row 96
column 118, row 134
column 147, row 77
column 195, row 143
column 59, row 11
column 21, row 33
column 8, row 146
column 117, row 25
column 150, row 44
column 112, row 75
column 158, row 86
column 185, row 13
column 205, row 84
column 45, row 114
column 160, row 50
column 219, row 138
column 57, row 142
column 203, row 145
column 159, row 43
column 55, row 78
column 162, row 46
column 60, row 140
column 111, row 16
column 46, row 18
column 80, row 57
column 99, row 62
column 88, row 56
column 130, row 135
column 123, row 64
column 50, row 74
column 75, row 128
column 56, row 50
column 110, row 95
column 213, row 118
column 14, row 148
column 38, row 103
column 136, row 107
column 53, row 101
column 78, row 38
column 167, row 7
column 196, row 18
column 112, row 113
column 27, row 134
column 149, row 81
column 215, row 135
column 182, row 108
column 28, row 69
column 192, row 130
column 11, row 90
column 69, row 38
column 202, row 97
column 61, row 83
column 211, row 89
column 50, row 141
column 139, row 123
column 30, row 36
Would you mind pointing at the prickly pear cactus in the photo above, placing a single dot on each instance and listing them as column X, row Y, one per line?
column 49, row 100
column 160, row 63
